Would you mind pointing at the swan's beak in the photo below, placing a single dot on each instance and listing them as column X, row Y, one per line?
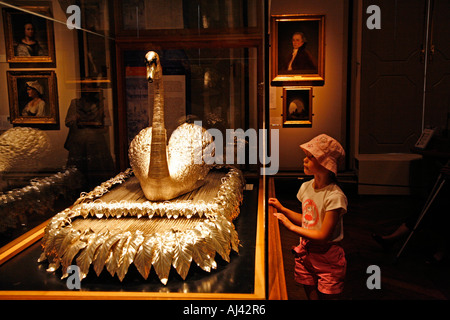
column 151, row 62
column 151, row 69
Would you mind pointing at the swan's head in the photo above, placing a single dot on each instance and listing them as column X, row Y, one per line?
column 153, row 66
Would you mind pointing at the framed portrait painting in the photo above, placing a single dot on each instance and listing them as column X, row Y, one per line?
column 33, row 97
column 297, row 107
column 297, row 50
column 29, row 38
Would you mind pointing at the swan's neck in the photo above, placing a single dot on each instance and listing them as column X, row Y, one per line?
column 158, row 104
column 158, row 167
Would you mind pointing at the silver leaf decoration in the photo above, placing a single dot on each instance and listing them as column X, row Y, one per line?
column 109, row 237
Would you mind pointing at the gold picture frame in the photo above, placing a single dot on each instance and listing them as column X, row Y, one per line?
column 33, row 97
column 297, row 107
column 29, row 38
column 306, row 34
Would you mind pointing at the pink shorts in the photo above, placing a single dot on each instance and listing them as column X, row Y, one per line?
column 323, row 266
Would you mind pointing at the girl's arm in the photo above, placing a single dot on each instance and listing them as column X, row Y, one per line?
column 323, row 234
column 293, row 216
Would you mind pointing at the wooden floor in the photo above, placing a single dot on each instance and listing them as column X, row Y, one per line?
column 410, row 277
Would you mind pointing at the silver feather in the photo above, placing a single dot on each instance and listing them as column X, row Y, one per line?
column 129, row 254
column 162, row 259
column 86, row 257
column 217, row 241
column 144, row 257
column 117, row 247
column 184, row 245
column 203, row 254
column 70, row 253
column 113, row 262
column 104, row 252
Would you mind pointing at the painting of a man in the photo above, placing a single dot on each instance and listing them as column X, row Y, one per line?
column 298, row 49
column 300, row 59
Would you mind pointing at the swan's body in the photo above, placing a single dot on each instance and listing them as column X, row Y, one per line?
column 167, row 171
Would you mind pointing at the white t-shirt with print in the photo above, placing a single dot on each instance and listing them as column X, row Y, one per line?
column 315, row 202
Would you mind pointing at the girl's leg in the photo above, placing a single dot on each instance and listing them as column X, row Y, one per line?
column 311, row 292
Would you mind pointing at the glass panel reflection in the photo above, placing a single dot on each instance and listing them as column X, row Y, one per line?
column 188, row 14
column 44, row 166
column 215, row 86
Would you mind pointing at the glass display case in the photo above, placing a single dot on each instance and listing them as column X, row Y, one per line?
column 91, row 81
column 188, row 17
column 57, row 109
column 210, row 85
column 212, row 52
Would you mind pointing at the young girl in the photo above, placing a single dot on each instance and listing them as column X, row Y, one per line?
column 320, row 263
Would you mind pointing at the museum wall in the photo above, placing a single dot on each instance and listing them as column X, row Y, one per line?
column 66, row 70
column 68, row 85
column 329, row 100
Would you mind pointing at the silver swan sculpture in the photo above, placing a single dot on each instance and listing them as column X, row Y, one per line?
column 166, row 171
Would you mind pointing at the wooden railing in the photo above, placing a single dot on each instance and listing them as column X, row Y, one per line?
column 276, row 277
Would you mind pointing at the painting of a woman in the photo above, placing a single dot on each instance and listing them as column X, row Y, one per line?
column 29, row 38
column 28, row 45
column 36, row 105
column 33, row 97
